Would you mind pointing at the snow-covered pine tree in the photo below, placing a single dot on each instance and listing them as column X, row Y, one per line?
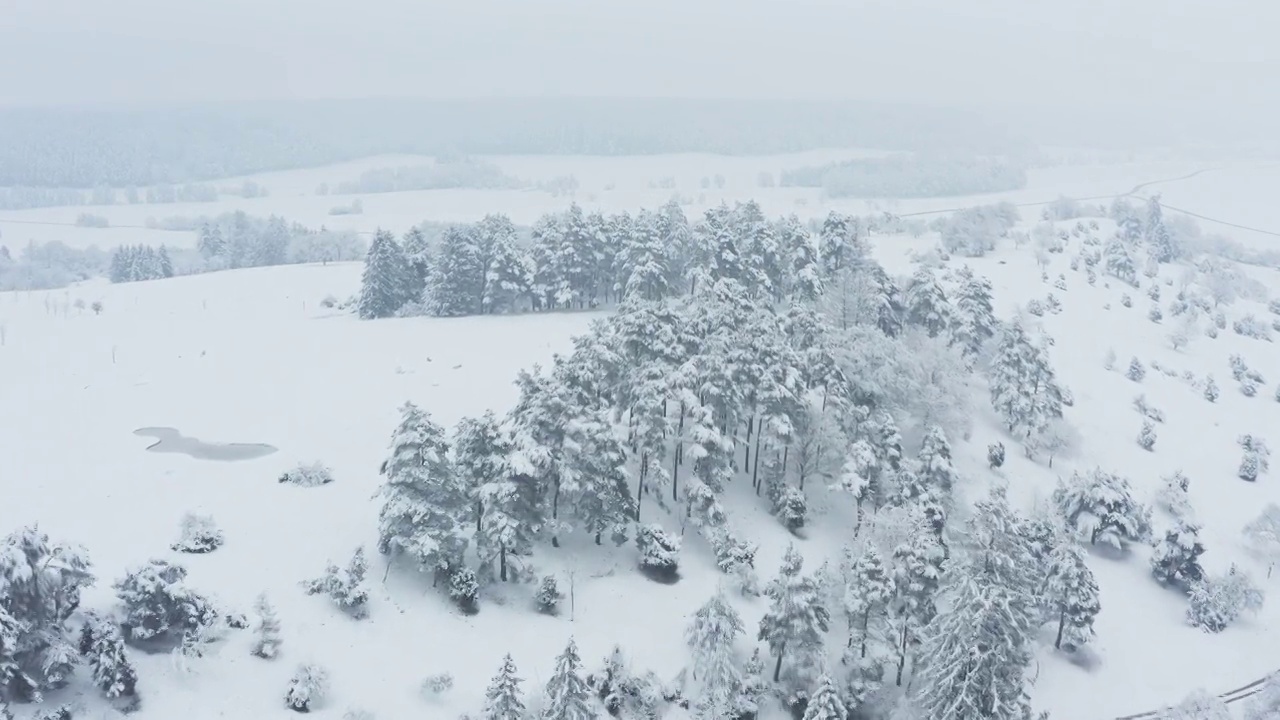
column 1099, row 506
column 1176, row 558
column 159, row 606
column 1118, row 262
column 684, row 258
column 839, row 245
column 1071, row 596
column 869, row 589
column 1024, row 392
column 417, row 254
column 1147, row 436
column 643, row 272
column 456, row 285
column 934, row 461
column 423, row 502
column 568, row 697
column 926, row 303
column 1210, row 389
column 796, row 620
column 387, row 283
column 348, row 588
column 481, row 458
column 711, row 635
column 112, row 671
column 973, row 315
column 825, row 704
column 166, row 264
column 1158, row 240
column 549, row 596
column 1136, row 371
column 508, row 279
column 1256, row 459
column 266, row 641
column 888, row 311
column 307, row 689
column 595, row 479
column 917, row 572
column 804, row 271
column 503, row 699
column 1216, row 602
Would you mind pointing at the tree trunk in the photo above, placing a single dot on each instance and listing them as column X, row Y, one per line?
column 866, row 621
column 502, row 563
column 777, row 668
column 902, row 654
column 644, row 470
column 479, row 515
column 746, row 460
column 1062, row 623
column 675, row 475
column 755, row 470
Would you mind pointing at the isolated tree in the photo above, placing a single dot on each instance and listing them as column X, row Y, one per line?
column 711, row 635
column 568, row 697
column 825, row 703
column 423, row 502
column 347, row 587
column 1024, row 391
column 503, row 699
column 1156, row 235
column 1210, row 389
column 1256, row 459
column 1099, row 506
column 266, row 642
column 974, row 321
column 387, row 282
column 926, row 303
column 1176, row 558
column 1147, row 436
column 1118, row 262
column 308, row 688
column 796, row 619
column 1071, row 596
column 1136, row 371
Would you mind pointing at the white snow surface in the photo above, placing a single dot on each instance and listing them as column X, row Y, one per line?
column 250, row 356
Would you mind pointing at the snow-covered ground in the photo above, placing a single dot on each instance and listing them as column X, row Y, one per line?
column 251, row 356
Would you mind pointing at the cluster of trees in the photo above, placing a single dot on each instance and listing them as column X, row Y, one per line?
column 236, row 240
column 973, row 232
column 911, row 176
column 42, row 266
column 130, row 263
column 446, row 173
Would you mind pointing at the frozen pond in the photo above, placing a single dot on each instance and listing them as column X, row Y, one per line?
column 169, row 440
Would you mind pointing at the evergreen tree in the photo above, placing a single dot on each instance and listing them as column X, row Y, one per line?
column 917, row 573
column 1159, row 242
column 386, row 283
column 166, row 265
column 867, row 595
column 935, row 467
column 974, row 320
column 825, row 703
column 209, row 241
column 266, row 643
column 763, row 255
column 796, row 620
column 502, row 700
column 683, row 257
column 888, row 311
column 715, row 627
column 423, row 501
column 1176, row 559
column 643, row 271
column 481, row 456
column 1257, row 457
column 1071, row 596
column 1210, row 389
column 804, row 271
column 1024, row 392
column 417, row 254
column 1118, row 262
column 839, row 245
column 508, row 278
column 568, row 697
column 1099, row 506
column 926, row 303
column 112, row 672
column 456, row 286
column 595, row 478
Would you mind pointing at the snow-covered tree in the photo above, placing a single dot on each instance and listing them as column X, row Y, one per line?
column 1216, row 602
column 1099, row 506
column 417, row 254
column 568, row 697
column 1118, row 262
column 995, row 455
column 926, row 303
column 549, row 596
column 508, row 275
column 307, row 688
column 1199, row 705
column 825, row 704
column 1256, row 459
column 456, row 284
column 266, row 641
column 796, row 620
column 1147, row 436
column 387, row 283
column 347, row 587
column 973, row 317
column 1173, row 495
column 917, row 572
column 1266, row 704
column 198, row 534
column 804, row 269
column 159, row 605
column 1263, row 534
column 503, row 699
column 869, row 589
column 464, row 589
column 1071, row 596
column 423, row 501
column 1136, row 371
column 934, row 460
column 711, row 635
column 103, row 646
column 839, row 245
column 1176, row 559
column 659, row 552
column 1157, row 237
column 1210, row 389
column 1023, row 389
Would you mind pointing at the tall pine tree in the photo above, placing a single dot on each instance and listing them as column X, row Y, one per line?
column 568, row 697
column 386, row 284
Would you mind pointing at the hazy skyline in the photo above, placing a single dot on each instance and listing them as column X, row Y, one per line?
column 1200, row 59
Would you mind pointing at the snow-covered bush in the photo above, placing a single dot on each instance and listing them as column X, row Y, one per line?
column 103, row 645
column 1250, row 326
column 60, row 713
column 348, row 587
column 158, row 606
column 308, row 475
column 1248, row 389
column 549, row 596
column 307, row 688
column 1173, row 494
column 1136, row 371
column 1216, row 602
column 1199, row 705
column 1147, row 437
column 1210, row 389
column 1211, row 332
column 1067, row 397
column 1274, row 306
column 1099, row 507
column 790, row 506
column 1262, row 534
column 995, row 455
column 659, row 552
column 1255, row 377
column 433, row 686
column 464, row 590
column 1153, row 292
column 1126, row 301
column 1154, row 314
column 199, row 534
column 1266, row 704
column 1148, row 411
column 1061, row 282
column 266, row 643
column 1035, row 307
column 1220, row 320
column 1238, row 367
column 1091, row 276
column 1256, row 460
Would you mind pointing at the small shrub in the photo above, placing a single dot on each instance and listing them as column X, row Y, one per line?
column 1238, row 367
column 1250, row 326
column 1211, row 332
column 1147, row 437
column 549, row 596
column 659, row 553
column 1248, row 389
column 1149, row 411
column 1052, row 304
column 1153, row 292
column 1255, row 377
column 433, row 686
column 1220, row 320
column 198, row 535
column 96, row 307
column 791, row 507
column 1061, row 282
column 328, row 301
column 1075, row 263
column 1035, row 307
column 1210, row 389
column 1126, row 301
column 1154, row 314
column 346, row 587
column 464, row 590
column 158, row 605
column 1274, row 306
column 1216, row 602
column 307, row 688
column 311, row 475
column 1136, row 371
column 995, row 455
column 267, row 643
column 1067, row 396
column 1091, row 276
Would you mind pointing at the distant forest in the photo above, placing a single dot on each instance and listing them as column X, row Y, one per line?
column 85, row 147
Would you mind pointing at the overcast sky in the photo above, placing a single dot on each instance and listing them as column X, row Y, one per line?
column 1204, row 56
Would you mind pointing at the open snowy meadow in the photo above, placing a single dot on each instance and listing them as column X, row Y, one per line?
column 253, row 356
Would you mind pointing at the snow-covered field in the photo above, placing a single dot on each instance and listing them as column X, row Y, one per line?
column 1232, row 191
column 251, row 356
